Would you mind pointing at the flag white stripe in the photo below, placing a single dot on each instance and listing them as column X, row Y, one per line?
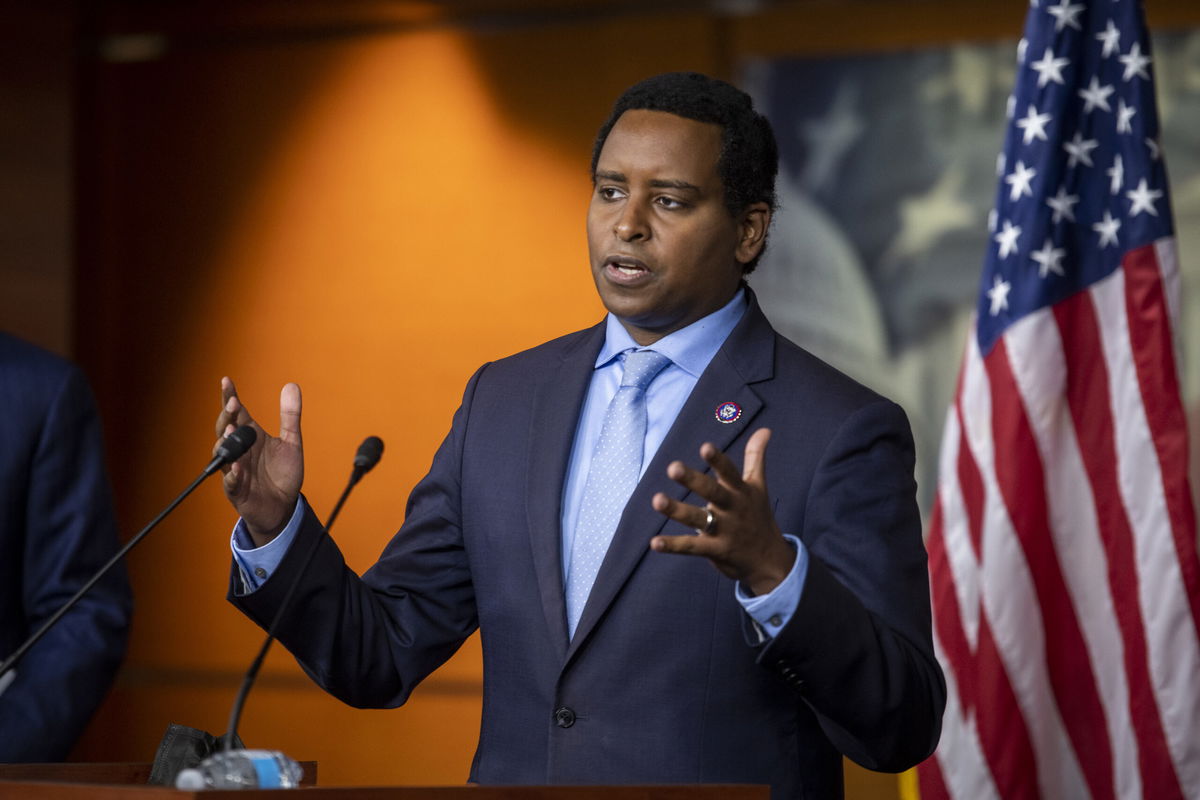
column 1167, row 257
column 956, row 532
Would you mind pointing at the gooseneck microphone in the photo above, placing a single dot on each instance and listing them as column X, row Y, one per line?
column 368, row 455
column 232, row 448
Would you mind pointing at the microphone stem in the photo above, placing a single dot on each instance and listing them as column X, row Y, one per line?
column 235, row 713
column 12, row 660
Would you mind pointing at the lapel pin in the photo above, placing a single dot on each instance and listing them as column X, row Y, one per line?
column 728, row 412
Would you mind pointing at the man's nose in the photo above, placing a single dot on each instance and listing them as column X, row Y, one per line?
column 632, row 223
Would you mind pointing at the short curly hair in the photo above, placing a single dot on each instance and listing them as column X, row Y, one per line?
column 749, row 159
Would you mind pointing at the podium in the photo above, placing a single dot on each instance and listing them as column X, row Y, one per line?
column 128, row 782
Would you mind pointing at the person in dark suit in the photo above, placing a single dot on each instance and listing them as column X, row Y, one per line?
column 56, row 530
column 811, row 638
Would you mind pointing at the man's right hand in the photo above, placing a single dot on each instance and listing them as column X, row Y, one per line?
column 264, row 484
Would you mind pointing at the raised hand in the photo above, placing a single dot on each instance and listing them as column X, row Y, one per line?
column 264, row 484
column 741, row 537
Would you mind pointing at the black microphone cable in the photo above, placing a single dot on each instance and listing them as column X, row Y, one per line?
column 368, row 455
column 232, row 448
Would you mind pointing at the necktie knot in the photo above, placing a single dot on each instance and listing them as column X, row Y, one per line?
column 641, row 366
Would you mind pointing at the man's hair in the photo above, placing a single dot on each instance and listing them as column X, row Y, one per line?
column 749, row 158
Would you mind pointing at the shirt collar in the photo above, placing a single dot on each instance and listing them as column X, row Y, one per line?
column 690, row 348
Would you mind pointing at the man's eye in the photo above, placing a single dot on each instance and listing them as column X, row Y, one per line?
column 671, row 204
column 609, row 192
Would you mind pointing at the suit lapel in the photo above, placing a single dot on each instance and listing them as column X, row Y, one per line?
column 745, row 358
column 557, row 402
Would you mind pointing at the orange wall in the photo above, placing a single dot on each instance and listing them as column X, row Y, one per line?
column 372, row 217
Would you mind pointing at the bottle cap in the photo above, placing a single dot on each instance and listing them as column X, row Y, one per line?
column 189, row 779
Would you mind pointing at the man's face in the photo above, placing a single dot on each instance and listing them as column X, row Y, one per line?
column 664, row 249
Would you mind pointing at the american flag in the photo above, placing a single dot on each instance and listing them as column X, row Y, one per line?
column 1062, row 546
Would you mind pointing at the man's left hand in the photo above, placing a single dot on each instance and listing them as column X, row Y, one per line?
column 743, row 539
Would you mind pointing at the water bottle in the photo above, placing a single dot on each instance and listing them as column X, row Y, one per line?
column 242, row 769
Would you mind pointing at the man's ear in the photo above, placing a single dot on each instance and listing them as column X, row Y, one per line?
column 752, row 231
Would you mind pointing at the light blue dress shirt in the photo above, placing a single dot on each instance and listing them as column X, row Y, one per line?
column 690, row 350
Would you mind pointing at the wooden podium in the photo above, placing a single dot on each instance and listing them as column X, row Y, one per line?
column 128, row 782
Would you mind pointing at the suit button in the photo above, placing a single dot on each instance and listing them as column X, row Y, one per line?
column 564, row 717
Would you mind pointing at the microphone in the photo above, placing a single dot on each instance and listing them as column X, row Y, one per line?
column 368, row 455
column 231, row 449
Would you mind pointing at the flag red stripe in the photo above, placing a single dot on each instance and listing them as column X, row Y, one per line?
column 1020, row 475
column 930, row 781
column 1003, row 736
column 946, row 613
column 1154, row 358
column 970, row 483
column 1087, row 394
column 1002, row 731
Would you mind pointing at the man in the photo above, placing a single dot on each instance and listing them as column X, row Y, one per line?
column 608, row 656
column 56, row 530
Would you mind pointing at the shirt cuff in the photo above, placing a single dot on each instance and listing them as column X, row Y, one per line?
column 256, row 564
column 771, row 612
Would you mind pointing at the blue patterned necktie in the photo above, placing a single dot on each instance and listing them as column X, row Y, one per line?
column 614, row 472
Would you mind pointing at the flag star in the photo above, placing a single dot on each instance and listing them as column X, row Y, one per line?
column 1124, row 116
column 992, row 217
column 1117, row 174
column 1107, row 229
column 1135, row 63
column 1049, row 259
column 1022, row 49
column 1019, row 179
column 1095, row 95
column 1007, row 239
column 1010, row 106
column 1065, row 14
column 1034, row 125
column 1079, row 149
column 1110, row 37
column 998, row 294
column 1001, row 163
column 1049, row 68
column 1063, row 205
column 1143, row 198
column 1153, row 145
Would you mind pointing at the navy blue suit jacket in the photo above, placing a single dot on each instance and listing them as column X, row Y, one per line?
column 56, row 530
column 662, row 682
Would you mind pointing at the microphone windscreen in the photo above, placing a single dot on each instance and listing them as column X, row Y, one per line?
column 235, row 445
column 369, row 453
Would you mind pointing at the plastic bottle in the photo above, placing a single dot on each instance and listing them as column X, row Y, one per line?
column 242, row 769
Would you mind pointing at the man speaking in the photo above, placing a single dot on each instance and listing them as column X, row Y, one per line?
column 578, row 477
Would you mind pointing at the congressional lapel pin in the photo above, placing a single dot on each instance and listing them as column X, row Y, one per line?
column 728, row 412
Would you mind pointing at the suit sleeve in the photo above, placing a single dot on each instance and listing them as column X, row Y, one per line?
column 369, row 641
column 859, row 647
column 69, row 533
